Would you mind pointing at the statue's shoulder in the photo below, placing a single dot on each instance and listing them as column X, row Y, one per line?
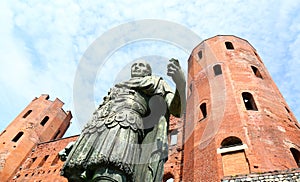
column 155, row 78
column 157, row 81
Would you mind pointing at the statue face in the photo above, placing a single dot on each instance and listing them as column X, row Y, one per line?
column 140, row 69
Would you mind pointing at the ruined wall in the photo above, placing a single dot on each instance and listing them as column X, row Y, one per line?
column 43, row 163
column 173, row 166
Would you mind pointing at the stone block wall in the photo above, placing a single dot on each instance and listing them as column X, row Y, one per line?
column 292, row 175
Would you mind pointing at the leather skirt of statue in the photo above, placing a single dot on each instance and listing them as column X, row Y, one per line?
column 111, row 138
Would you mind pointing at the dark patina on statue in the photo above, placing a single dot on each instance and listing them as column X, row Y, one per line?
column 126, row 140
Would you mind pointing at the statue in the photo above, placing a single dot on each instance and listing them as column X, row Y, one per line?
column 126, row 140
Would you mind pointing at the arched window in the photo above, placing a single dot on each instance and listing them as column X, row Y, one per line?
column 203, row 110
column 18, row 136
column 200, row 54
column 231, row 142
column 168, row 177
column 256, row 72
column 44, row 121
column 229, row 45
column 27, row 113
column 296, row 155
column 249, row 101
column 217, row 69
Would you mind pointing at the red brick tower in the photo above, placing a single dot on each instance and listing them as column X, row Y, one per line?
column 237, row 120
column 42, row 120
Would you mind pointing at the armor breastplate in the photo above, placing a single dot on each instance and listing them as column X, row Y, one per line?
column 125, row 107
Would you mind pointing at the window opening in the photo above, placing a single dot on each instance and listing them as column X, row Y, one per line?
column 229, row 45
column 2, row 132
column 44, row 121
column 168, row 177
column 173, row 139
column 249, row 101
column 18, row 136
column 190, row 90
column 231, row 141
column 200, row 54
column 217, row 69
column 27, row 113
column 287, row 109
column 31, row 162
column 203, row 110
column 256, row 72
column 56, row 159
column 297, row 125
column 257, row 56
column 296, row 155
column 43, row 161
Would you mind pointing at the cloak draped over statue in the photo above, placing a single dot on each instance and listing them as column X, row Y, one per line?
column 113, row 137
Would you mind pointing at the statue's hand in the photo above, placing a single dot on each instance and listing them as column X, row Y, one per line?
column 175, row 71
column 63, row 154
column 178, row 102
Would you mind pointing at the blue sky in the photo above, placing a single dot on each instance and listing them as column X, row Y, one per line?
column 42, row 43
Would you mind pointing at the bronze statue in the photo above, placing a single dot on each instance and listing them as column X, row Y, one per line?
column 126, row 140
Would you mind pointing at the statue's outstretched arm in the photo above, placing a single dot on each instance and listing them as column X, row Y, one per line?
column 178, row 101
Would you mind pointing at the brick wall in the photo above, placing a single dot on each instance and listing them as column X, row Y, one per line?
column 235, row 163
column 38, row 122
column 43, row 162
column 242, row 101
column 173, row 167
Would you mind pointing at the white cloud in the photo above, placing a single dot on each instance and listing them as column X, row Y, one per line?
column 42, row 42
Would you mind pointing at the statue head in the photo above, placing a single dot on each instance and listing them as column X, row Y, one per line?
column 140, row 68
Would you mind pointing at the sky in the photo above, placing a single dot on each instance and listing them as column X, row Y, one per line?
column 43, row 44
